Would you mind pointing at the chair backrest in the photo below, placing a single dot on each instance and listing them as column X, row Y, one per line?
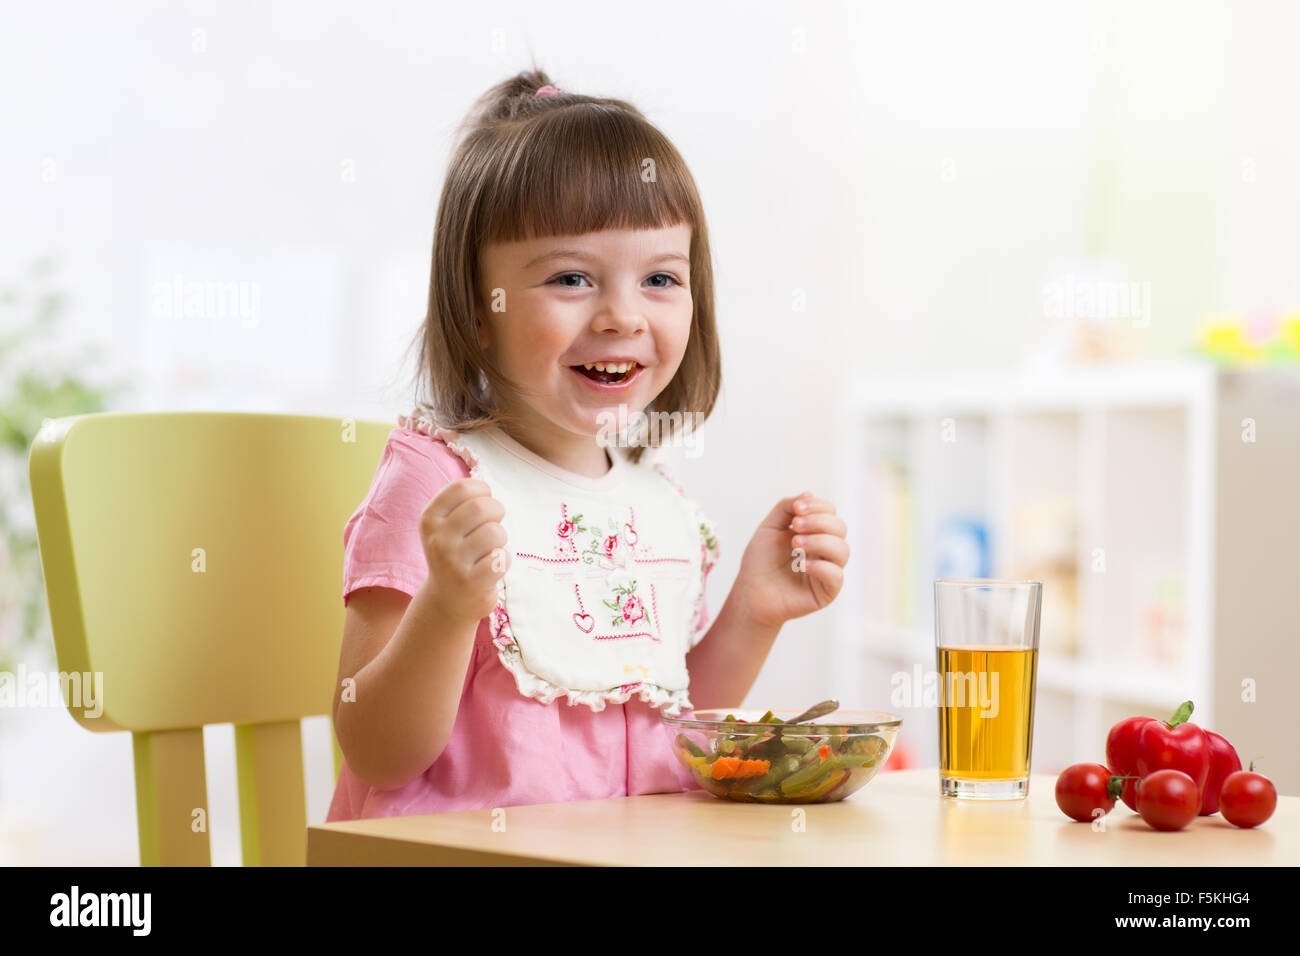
column 194, row 559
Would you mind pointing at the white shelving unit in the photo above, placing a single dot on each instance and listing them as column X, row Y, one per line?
column 1166, row 541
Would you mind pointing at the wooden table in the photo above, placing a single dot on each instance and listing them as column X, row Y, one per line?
column 898, row 819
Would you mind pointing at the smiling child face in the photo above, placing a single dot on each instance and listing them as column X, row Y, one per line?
column 610, row 297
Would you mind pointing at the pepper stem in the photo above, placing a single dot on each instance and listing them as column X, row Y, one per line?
column 1181, row 715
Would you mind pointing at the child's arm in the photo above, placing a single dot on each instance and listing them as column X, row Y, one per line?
column 408, row 657
column 769, row 590
column 409, row 670
column 726, row 661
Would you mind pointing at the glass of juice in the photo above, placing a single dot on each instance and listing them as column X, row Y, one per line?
column 986, row 646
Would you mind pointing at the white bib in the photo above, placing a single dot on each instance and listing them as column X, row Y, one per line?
column 606, row 577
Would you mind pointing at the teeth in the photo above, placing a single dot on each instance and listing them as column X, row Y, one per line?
column 611, row 366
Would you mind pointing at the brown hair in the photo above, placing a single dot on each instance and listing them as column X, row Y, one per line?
column 525, row 167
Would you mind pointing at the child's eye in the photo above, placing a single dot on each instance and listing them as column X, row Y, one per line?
column 560, row 279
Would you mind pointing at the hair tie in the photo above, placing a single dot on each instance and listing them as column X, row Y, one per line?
column 547, row 90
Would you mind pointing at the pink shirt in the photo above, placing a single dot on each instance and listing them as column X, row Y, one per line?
column 505, row 749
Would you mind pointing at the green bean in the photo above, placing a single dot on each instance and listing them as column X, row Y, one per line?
column 853, row 761
column 811, row 771
column 736, row 736
column 866, row 744
column 690, row 746
column 817, row 787
column 765, row 746
column 775, row 744
column 812, row 754
column 777, row 770
column 821, row 792
column 796, row 744
column 824, row 773
column 740, row 739
column 766, row 789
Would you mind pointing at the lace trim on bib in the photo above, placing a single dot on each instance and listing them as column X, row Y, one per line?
column 529, row 684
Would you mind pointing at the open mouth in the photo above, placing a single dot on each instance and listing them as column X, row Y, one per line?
column 613, row 374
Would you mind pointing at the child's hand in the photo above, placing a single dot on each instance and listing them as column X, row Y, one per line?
column 789, row 572
column 464, row 544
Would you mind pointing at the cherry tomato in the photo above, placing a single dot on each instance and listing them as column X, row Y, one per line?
column 1223, row 761
column 1083, row 788
column 1168, row 799
column 1121, row 753
column 1247, row 799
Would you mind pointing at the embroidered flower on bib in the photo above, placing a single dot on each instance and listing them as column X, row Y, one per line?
column 627, row 606
column 632, row 609
column 603, row 596
column 610, row 546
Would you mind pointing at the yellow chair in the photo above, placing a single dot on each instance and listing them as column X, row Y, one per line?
column 195, row 559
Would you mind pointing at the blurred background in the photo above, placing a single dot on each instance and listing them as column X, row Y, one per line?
column 1005, row 282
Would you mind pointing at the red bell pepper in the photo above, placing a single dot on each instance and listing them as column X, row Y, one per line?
column 1121, row 754
column 1223, row 761
column 1137, row 746
column 1174, row 744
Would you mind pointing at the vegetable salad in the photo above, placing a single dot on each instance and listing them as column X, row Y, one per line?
column 777, row 767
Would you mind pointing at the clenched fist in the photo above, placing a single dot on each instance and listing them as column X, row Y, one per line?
column 464, row 544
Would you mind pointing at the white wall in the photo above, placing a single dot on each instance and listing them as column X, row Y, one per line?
column 917, row 170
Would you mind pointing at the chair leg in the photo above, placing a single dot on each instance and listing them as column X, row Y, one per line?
column 272, row 793
column 171, row 797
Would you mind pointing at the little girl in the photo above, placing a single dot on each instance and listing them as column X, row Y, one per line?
column 524, row 582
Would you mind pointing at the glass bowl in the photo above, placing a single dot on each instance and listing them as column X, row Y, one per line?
column 734, row 755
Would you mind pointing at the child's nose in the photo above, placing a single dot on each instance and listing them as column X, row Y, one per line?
column 620, row 316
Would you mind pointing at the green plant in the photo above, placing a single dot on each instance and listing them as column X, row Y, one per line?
column 33, row 388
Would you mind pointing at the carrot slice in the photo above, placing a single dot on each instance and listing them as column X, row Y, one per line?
column 725, row 767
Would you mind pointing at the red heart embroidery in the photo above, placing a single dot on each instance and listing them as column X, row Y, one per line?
column 585, row 622
column 629, row 535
